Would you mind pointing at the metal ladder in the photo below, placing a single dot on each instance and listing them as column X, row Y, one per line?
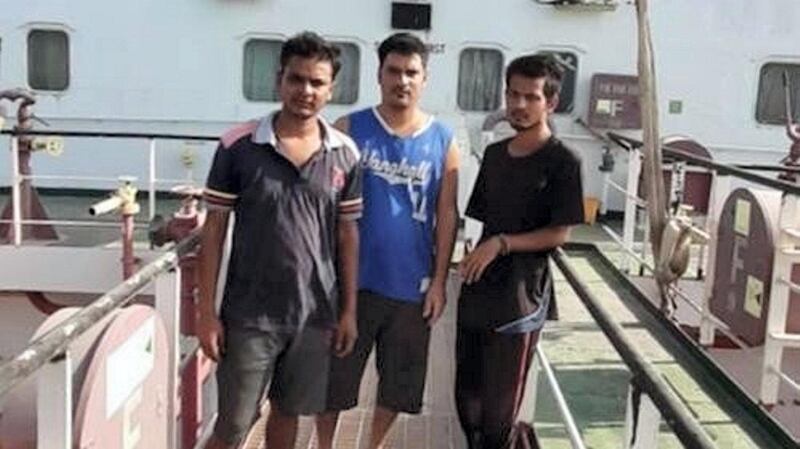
column 778, row 338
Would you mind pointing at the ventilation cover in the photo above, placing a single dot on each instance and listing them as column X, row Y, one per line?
column 411, row 16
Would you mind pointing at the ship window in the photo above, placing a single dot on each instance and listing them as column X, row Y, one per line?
column 48, row 60
column 346, row 90
column 262, row 58
column 771, row 103
column 569, row 62
column 480, row 79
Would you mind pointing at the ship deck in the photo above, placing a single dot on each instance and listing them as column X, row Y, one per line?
column 591, row 374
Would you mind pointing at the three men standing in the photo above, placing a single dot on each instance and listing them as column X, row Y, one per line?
column 300, row 265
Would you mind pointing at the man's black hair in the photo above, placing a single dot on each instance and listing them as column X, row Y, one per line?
column 538, row 66
column 310, row 45
column 405, row 44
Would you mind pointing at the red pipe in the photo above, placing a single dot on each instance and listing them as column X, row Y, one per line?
column 128, row 259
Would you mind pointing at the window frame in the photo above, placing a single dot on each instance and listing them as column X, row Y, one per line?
column 574, row 54
column 247, row 42
column 340, row 44
column 758, row 103
column 500, row 80
column 46, row 29
column 281, row 40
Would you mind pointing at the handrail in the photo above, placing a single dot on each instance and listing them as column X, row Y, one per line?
column 55, row 342
column 723, row 327
column 721, row 169
column 645, row 375
column 109, row 134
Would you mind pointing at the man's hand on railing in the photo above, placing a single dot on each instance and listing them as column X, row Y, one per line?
column 211, row 334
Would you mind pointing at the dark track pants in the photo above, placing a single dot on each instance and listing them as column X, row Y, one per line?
column 491, row 370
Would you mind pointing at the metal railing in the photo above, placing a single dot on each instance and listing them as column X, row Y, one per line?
column 646, row 379
column 49, row 354
column 152, row 180
column 573, row 433
column 788, row 236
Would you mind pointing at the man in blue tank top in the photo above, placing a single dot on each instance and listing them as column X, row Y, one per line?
column 407, row 231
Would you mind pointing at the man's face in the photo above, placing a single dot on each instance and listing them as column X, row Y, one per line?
column 401, row 78
column 526, row 105
column 305, row 86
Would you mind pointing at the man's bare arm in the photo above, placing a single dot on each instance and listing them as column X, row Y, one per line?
column 473, row 266
column 212, row 239
column 348, row 283
column 446, row 228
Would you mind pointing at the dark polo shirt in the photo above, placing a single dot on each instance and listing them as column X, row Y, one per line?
column 282, row 269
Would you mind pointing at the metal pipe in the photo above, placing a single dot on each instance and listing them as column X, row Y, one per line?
column 114, row 135
column 16, row 194
column 572, row 429
column 76, row 223
column 675, row 413
column 618, row 240
column 631, row 190
column 639, row 202
column 787, row 380
column 72, row 178
column 56, row 341
column 105, row 206
column 722, row 169
column 151, row 191
column 768, row 167
column 128, row 259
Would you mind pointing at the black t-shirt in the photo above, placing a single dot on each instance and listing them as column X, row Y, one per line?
column 514, row 195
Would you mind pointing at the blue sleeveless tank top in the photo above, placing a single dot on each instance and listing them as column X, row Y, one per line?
column 402, row 177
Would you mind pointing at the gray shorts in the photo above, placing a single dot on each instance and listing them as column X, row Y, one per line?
column 295, row 365
column 400, row 335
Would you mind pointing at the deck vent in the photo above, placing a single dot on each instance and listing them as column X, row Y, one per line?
column 411, row 16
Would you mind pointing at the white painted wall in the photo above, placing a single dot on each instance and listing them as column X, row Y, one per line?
column 155, row 66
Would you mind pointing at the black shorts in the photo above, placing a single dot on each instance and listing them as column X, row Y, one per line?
column 400, row 335
column 294, row 363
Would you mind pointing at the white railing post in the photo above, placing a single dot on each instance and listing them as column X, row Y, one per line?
column 168, row 306
column 151, row 181
column 778, row 300
column 645, row 242
column 528, row 406
column 574, row 435
column 54, row 404
column 629, row 223
column 604, row 194
column 16, row 193
column 720, row 187
column 643, row 434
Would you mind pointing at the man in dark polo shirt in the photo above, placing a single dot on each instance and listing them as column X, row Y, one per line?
column 527, row 194
column 293, row 183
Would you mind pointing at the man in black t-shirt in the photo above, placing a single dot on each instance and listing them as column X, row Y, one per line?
column 528, row 193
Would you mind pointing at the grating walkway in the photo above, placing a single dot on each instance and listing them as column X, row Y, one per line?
column 435, row 428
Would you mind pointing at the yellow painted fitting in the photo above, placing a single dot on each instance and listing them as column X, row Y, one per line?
column 127, row 193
